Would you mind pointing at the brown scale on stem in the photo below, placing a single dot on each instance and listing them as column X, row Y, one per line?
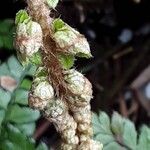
column 40, row 13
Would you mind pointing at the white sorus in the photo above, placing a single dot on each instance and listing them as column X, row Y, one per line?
column 55, row 108
column 28, row 38
column 36, row 102
column 79, row 85
column 74, row 140
column 65, row 146
column 69, row 134
column 83, row 45
column 85, row 128
column 65, row 121
column 69, row 122
column 75, row 80
column 44, row 90
column 70, row 40
column 90, row 145
column 84, row 137
column 82, row 114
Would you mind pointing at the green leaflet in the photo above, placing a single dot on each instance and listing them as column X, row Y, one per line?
column 5, row 98
column 4, row 70
column 27, row 128
column 114, row 146
column 117, row 124
column 67, row 61
column 42, row 146
column 58, row 25
column 19, row 114
column 144, row 139
column 6, row 145
column 16, row 136
column 22, row 16
column 130, row 135
column 120, row 133
column 70, row 40
column 15, row 140
column 21, row 96
column 35, row 59
column 2, row 116
column 15, row 67
column 102, row 128
column 26, row 84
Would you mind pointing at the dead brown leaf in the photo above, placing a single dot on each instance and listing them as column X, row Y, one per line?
column 8, row 83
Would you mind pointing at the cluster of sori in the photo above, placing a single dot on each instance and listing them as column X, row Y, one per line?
column 72, row 115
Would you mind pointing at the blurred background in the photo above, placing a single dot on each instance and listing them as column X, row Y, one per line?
column 119, row 35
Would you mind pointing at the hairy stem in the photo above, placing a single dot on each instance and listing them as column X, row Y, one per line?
column 40, row 12
column 62, row 94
